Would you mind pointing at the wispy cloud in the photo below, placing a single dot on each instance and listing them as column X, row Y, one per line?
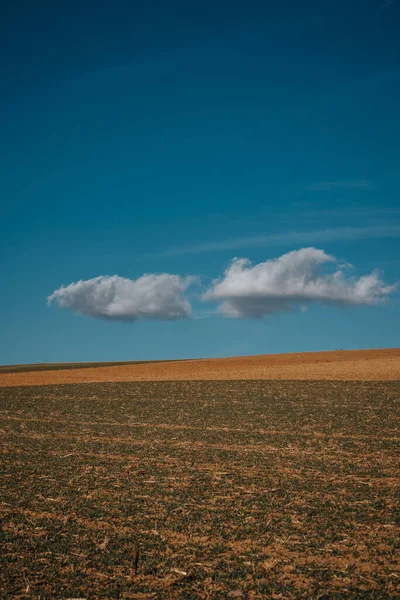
column 354, row 211
column 293, row 280
column 292, row 237
column 350, row 184
column 204, row 314
column 151, row 296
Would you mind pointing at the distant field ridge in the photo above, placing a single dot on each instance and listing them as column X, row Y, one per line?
column 352, row 365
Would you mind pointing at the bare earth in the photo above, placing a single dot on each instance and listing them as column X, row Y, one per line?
column 364, row 365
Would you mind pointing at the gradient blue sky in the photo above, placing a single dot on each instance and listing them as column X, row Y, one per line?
column 173, row 136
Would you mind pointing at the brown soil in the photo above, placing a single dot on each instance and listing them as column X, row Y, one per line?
column 363, row 365
column 177, row 490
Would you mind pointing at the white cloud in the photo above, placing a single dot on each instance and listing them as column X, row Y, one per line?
column 294, row 279
column 150, row 296
column 350, row 184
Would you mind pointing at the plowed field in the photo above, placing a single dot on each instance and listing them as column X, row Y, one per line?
column 213, row 489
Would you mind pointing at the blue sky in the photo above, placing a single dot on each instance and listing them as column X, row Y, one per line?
column 172, row 137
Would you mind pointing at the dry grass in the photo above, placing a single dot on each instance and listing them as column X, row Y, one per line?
column 366, row 365
column 214, row 489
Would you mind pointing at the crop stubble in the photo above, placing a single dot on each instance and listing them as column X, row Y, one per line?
column 212, row 489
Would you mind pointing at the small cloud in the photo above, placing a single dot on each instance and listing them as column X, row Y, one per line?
column 151, row 296
column 350, row 184
column 387, row 4
column 298, row 278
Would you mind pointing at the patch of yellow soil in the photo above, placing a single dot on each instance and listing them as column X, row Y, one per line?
column 367, row 365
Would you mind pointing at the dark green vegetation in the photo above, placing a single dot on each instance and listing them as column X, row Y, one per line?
column 58, row 366
column 266, row 489
column 78, row 365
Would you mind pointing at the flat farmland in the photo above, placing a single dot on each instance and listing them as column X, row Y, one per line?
column 349, row 365
column 200, row 489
